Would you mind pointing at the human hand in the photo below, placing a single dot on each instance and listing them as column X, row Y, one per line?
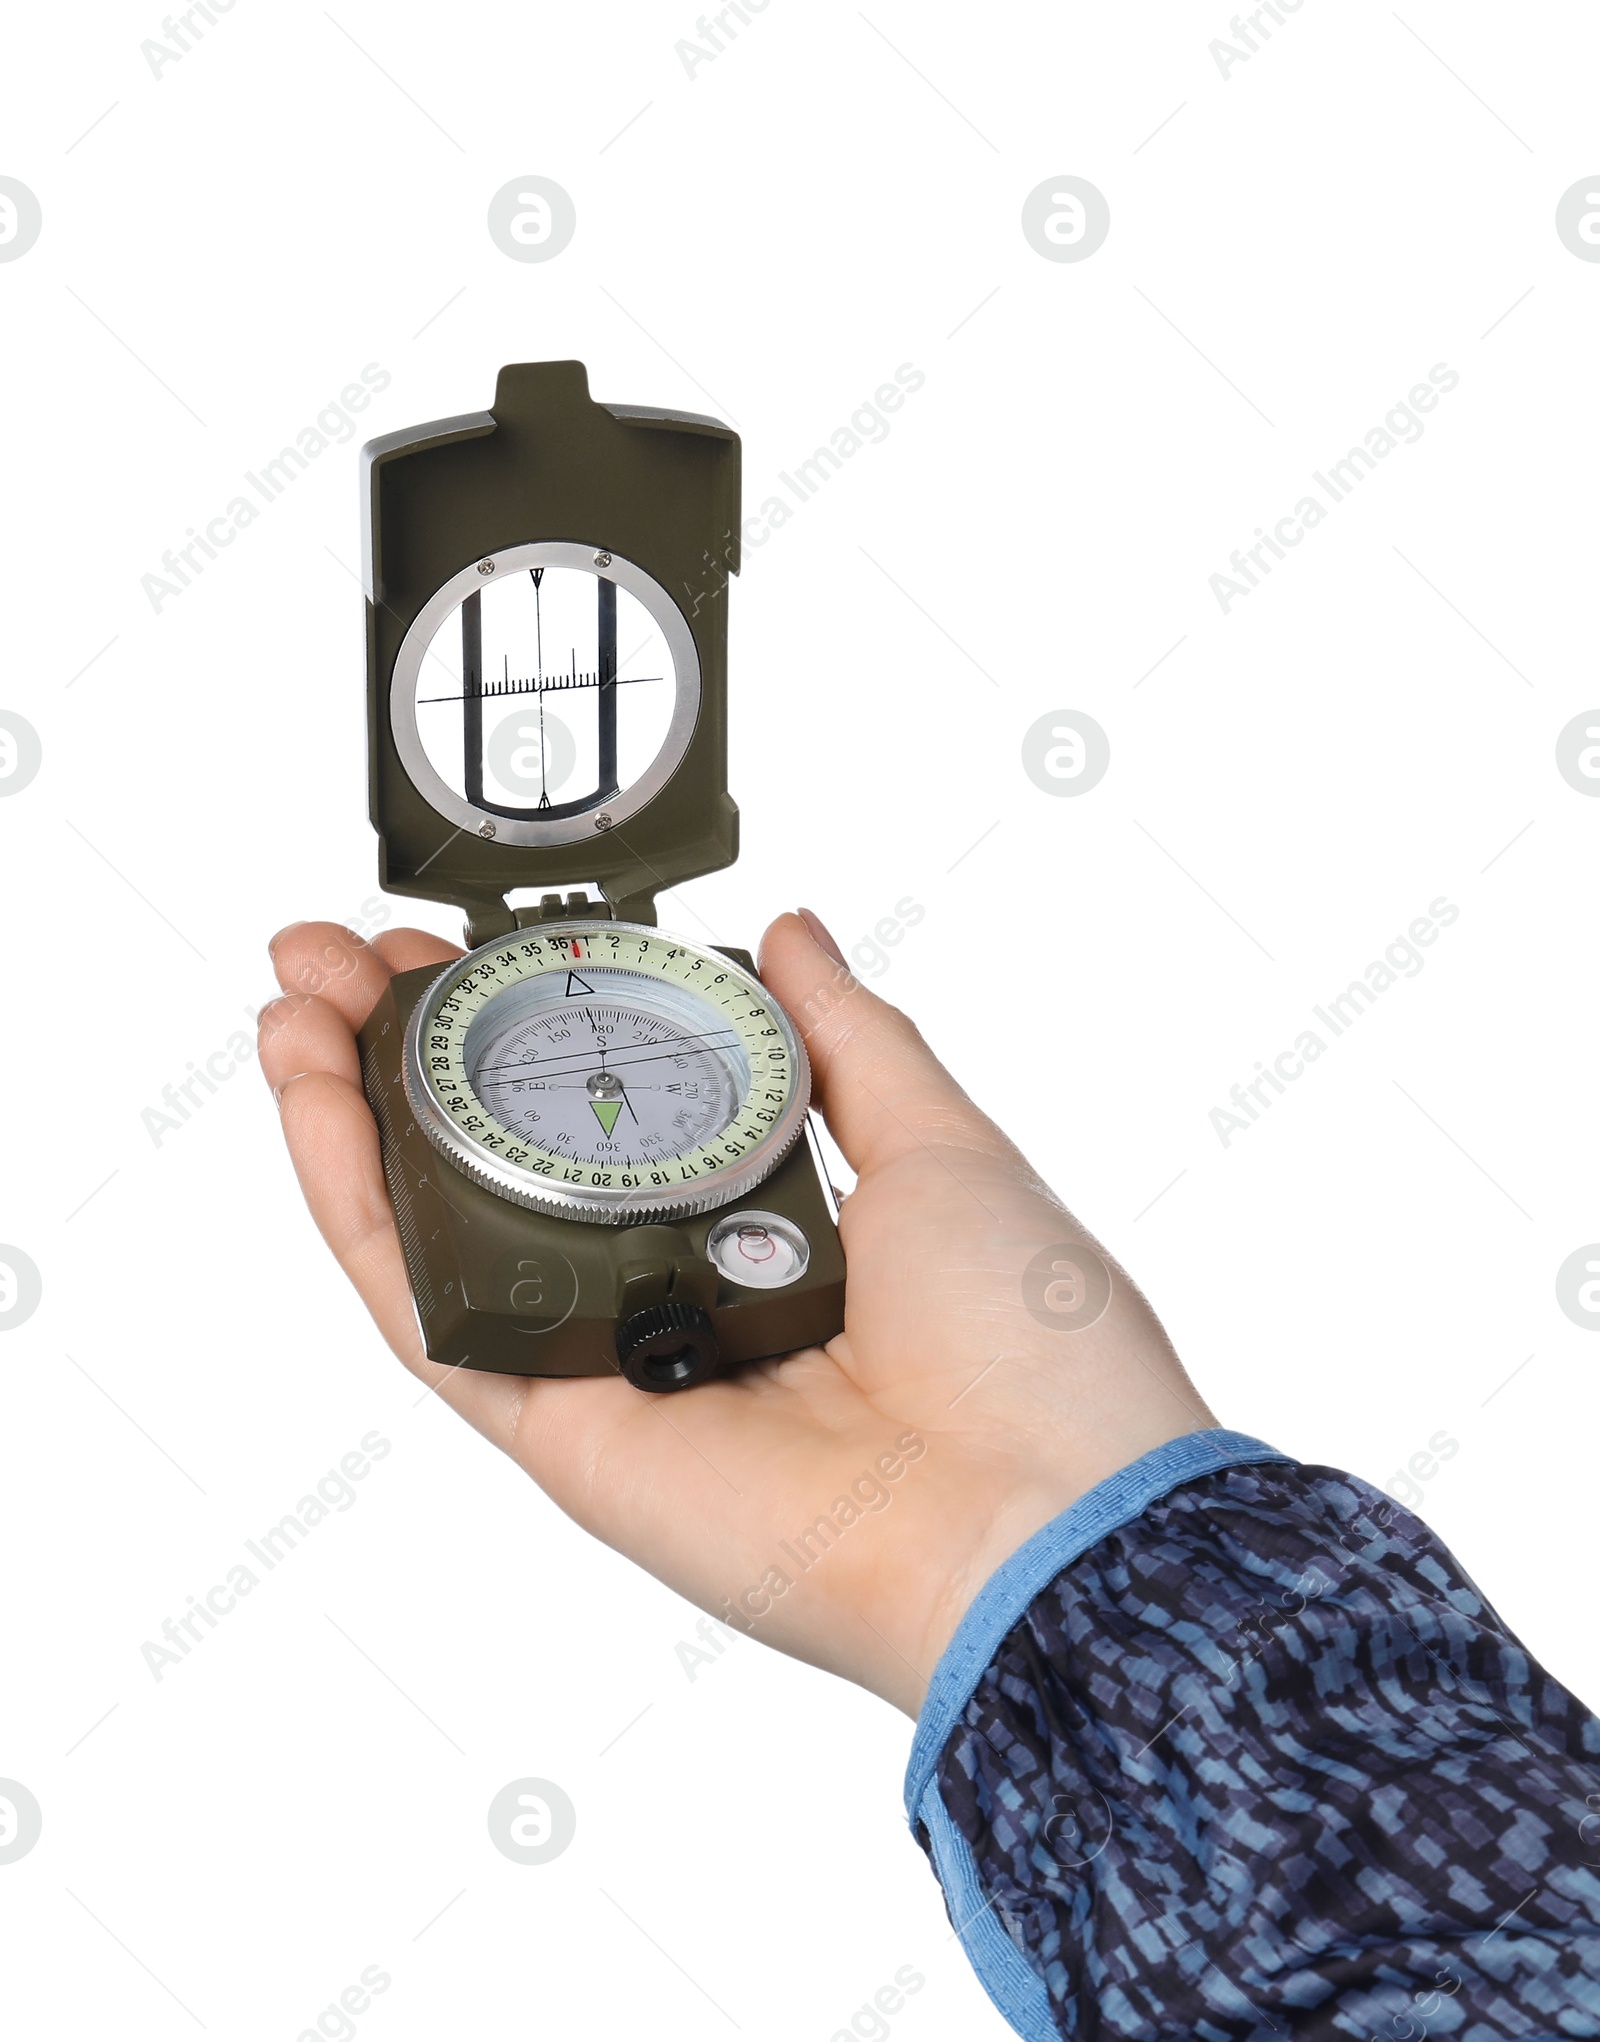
column 992, row 1420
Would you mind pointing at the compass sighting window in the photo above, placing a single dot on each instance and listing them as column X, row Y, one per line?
column 545, row 692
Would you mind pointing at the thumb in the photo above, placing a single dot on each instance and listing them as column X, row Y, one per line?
column 882, row 1091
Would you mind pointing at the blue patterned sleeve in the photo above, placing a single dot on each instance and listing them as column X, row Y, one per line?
column 1233, row 1750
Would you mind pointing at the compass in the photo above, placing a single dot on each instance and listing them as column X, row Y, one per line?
column 595, row 1133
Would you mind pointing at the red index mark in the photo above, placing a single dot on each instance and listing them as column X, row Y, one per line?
column 577, row 946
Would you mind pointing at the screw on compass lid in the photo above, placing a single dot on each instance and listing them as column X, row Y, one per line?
column 667, row 1347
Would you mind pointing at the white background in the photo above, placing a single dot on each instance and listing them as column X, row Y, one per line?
column 830, row 197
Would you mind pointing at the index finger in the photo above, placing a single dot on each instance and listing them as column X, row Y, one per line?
column 326, row 961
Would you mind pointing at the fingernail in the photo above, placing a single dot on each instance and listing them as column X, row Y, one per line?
column 272, row 947
column 821, row 937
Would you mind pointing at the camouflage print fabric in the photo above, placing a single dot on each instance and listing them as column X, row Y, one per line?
column 1262, row 1762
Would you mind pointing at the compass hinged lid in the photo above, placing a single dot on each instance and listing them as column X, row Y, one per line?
column 547, row 648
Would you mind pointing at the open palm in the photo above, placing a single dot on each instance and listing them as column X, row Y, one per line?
column 844, row 1503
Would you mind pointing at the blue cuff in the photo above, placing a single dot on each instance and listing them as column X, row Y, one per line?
column 1007, row 1977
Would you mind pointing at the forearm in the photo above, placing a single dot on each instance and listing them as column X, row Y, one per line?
column 1235, row 1748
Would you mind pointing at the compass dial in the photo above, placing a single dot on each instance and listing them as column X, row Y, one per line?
column 605, row 1071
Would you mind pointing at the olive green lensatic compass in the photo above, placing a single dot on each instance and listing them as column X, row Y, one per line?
column 595, row 1134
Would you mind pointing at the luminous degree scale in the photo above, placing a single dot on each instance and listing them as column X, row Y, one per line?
column 594, row 1134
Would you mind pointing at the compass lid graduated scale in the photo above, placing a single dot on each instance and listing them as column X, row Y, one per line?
column 594, row 1134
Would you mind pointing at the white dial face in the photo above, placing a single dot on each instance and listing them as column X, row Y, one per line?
column 606, row 1071
column 601, row 1077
